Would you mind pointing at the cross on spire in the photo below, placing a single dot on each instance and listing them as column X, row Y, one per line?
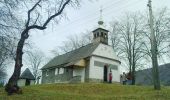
column 101, row 11
column 100, row 22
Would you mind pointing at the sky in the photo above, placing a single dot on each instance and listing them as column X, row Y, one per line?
column 85, row 18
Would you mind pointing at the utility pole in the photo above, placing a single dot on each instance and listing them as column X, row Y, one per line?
column 154, row 51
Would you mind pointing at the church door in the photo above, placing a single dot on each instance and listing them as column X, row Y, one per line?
column 105, row 73
column 27, row 82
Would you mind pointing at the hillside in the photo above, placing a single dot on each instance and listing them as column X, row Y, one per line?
column 145, row 76
column 88, row 92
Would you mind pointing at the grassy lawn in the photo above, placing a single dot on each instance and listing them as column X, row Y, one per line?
column 88, row 92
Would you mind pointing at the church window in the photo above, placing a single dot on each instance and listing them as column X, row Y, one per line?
column 99, row 64
column 115, row 67
column 47, row 72
column 102, row 64
column 97, row 34
column 105, row 36
column 66, row 69
column 102, row 34
column 56, row 71
column 61, row 70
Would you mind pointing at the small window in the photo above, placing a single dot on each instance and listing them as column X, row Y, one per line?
column 102, row 34
column 66, row 69
column 105, row 35
column 61, row 70
column 47, row 72
column 56, row 71
column 97, row 34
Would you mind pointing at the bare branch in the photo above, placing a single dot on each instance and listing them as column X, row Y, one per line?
column 29, row 13
column 56, row 14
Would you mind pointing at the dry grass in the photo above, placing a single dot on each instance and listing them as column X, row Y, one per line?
column 88, row 92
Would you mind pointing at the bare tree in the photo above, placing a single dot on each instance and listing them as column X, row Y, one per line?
column 115, row 36
column 131, row 40
column 126, row 38
column 162, row 32
column 9, row 25
column 73, row 42
column 159, row 40
column 40, row 13
column 35, row 60
column 4, row 56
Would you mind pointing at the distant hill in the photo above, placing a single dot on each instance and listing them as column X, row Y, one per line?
column 144, row 77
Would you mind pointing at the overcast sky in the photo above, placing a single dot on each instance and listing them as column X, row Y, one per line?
column 86, row 17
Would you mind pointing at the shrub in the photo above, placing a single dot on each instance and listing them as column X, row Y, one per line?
column 1, row 84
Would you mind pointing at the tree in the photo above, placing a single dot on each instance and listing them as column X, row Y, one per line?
column 126, row 38
column 73, row 42
column 159, row 34
column 9, row 25
column 162, row 35
column 162, row 32
column 35, row 59
column 115, row 37
column 134, row 46
column 154, row 49
column 4, row 56
column 35, row 19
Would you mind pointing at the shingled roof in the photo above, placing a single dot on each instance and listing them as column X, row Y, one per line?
column 72, row 56
column 27, row 75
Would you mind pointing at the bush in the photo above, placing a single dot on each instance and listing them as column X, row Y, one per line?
column 1, row 84
column 167, row 83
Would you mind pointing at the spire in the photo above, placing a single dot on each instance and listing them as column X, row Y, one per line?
column 100, row 22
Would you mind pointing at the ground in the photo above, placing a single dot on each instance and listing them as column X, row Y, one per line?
column 88, row 92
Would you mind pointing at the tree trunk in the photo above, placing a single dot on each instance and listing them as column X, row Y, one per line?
column 154, row 51
column 133, row 75
column 12, row 86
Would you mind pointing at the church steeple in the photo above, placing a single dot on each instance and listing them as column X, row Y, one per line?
column 100, row 22
column 100, row 34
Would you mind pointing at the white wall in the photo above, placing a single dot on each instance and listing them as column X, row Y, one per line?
column 97, row 71
column 32, row 82
column 105, row 51
column 115, row 75
column 21, row 82
column 79, row 72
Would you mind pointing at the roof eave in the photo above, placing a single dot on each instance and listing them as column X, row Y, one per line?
column 108, row 58
column 101, row 29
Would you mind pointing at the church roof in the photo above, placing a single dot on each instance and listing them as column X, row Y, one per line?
column 100, row 29
column 72, row 56
column 27, row 75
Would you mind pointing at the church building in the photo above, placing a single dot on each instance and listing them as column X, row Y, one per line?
column 26, row 78
column 90, row 63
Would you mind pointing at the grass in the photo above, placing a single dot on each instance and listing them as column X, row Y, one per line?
column 88, row 92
